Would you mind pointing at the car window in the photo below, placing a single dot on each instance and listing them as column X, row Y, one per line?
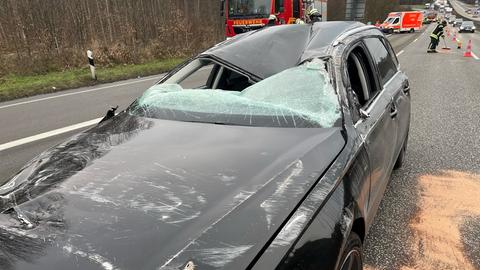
column 300, row 97
column 362, row 82
column 207, row 74
column 383, row 58
column 199, row 78
column 396, row 21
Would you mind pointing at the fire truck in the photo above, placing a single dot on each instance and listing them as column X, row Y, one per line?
column 247, row 15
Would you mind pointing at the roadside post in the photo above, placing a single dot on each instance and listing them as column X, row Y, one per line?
column 92, row 64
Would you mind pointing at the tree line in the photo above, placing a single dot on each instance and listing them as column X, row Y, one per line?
column 38, row 36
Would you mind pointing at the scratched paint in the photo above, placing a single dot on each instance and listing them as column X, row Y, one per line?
column 93, row 257
column 277, row 200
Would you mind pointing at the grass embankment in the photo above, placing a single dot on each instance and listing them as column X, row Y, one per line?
column 17, row 86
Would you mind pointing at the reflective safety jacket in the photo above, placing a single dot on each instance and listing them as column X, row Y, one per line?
column 437, row 32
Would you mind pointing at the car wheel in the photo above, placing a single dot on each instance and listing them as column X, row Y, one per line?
column 412, row 30
column 401, row 156
column 352, row 257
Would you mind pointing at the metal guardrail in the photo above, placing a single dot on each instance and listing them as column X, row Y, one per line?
column 476, row 21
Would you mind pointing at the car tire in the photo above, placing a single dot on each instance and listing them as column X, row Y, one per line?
column 412, row 30
column 401, row 156
column 352, row 256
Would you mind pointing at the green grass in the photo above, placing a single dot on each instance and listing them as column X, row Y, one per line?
column 17, row 86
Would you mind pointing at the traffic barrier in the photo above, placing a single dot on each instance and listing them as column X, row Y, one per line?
column 468, row 53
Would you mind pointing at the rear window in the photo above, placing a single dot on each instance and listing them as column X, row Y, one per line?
column 299, row 97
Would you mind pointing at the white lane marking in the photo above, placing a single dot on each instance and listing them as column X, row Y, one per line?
column 47, row 134
column 76, row 93
column 389, row 35
column 415, row 40
column 475, row 56
column 400, row 52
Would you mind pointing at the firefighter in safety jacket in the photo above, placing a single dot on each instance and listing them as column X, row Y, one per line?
column 435, row 37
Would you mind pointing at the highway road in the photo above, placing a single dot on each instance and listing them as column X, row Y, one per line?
column 443, row 140
column 430, row 215
column 23, row 118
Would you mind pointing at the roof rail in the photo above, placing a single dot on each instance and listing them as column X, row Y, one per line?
column 345, row 34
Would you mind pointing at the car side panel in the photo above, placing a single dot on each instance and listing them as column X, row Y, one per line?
column 322, row 243
column 379, row 133
column 402, row 100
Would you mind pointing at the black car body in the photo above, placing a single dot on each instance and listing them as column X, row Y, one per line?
column 168, row 188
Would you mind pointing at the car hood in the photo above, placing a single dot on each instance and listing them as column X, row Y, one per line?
column 139, row 193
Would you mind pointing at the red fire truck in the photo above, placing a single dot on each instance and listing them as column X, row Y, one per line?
column 247, row 15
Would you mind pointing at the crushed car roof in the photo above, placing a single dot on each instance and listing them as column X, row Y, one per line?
column 278, row 48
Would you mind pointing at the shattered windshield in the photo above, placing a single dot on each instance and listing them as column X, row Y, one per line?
column 298, row 97
column 253, row 8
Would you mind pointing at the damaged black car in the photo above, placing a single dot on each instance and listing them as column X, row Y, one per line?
column 271, row 150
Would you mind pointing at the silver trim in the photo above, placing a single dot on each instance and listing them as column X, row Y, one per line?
column 369, row 109
column 344, row 35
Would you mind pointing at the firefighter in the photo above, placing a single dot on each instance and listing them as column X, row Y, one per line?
column 272, row 20
column 314, row 16
column 435, row 37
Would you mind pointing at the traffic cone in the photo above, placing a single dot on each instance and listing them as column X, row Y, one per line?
column 468, row 53
column 454, row 37
column 448, row 33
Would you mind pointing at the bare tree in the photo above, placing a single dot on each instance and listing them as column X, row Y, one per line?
column 46, row 35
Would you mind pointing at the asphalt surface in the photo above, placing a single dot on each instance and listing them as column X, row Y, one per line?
column 30, row 116
column 444, row 135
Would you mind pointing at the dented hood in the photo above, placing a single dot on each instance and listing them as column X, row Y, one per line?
column 139, row 193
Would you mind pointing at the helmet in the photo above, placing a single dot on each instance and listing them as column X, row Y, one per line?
column 313, row 11
column 314, row 15
column 272, row 17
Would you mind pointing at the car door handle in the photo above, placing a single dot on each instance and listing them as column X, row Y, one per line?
column 393, row 110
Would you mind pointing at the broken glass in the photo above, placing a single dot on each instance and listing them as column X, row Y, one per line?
column 297, row 97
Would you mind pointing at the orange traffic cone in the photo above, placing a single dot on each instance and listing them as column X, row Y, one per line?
column 448, row 33
column 454, row 37
column 468, row 53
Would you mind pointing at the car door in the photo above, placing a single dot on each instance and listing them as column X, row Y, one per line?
column 394, row 83
column 375, row 124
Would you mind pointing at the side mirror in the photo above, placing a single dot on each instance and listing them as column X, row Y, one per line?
column 110, row 114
